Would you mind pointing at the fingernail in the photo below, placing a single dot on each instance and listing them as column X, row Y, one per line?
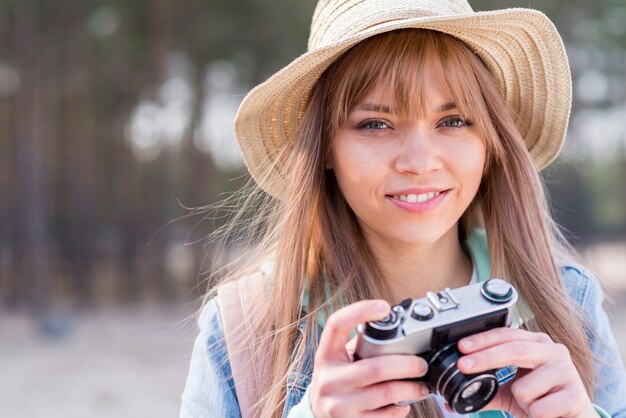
column 381, row 307
column 467, row 363
column 423, row 366
column 467, row 343
column 425, row 391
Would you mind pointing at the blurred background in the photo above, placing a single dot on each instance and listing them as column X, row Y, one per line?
column 116, row 121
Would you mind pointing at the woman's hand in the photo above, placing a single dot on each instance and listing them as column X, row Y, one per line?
column 369, row 387
column 547, row 382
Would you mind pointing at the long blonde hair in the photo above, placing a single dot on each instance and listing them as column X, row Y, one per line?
column 315, row 240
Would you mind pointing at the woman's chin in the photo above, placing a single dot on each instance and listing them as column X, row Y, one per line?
column 422, row 238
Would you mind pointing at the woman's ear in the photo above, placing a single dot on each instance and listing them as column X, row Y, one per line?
column 329, row 162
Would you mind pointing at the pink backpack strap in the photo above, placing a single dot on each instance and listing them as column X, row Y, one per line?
column 249, row 373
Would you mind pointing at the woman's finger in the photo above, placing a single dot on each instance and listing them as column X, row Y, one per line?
column 498, row 336
column 373, row 370
column 525, row 354
column 567, row 403
column 391, row 411
column 338, row 326
column 351, row 347
column 544, row 380
column 387, row 393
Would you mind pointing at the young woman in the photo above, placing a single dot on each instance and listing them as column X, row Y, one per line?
column 399, row 155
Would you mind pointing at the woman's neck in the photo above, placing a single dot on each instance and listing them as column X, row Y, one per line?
column 410, row 271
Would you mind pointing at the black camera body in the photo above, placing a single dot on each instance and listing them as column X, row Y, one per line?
column 430, row 327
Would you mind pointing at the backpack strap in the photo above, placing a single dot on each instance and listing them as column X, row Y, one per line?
column 249, row 372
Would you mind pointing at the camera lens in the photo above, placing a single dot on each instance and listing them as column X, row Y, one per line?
column 479, row 390
column 464, row 393
column 471, row 390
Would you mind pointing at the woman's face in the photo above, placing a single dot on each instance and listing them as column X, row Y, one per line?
column 408, row 179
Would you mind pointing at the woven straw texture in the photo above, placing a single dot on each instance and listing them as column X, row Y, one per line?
column 521, row 48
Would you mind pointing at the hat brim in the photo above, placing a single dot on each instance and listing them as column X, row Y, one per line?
column 521, row 48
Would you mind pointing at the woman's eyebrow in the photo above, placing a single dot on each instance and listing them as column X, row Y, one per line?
column 372, row 107
column 375, row 107
column 446, row 107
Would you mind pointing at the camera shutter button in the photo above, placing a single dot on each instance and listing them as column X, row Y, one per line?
column 422, row 312
column 497, row 290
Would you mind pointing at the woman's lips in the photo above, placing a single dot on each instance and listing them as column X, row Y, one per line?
column 414, row 202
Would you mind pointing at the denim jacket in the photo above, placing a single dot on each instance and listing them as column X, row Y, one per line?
column 210, row 392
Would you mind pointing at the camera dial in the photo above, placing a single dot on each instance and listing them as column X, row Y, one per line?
column 497, row 290
column 387, row 327
column 422, row 312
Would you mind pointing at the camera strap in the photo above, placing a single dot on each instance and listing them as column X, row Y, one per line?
column 249, row 372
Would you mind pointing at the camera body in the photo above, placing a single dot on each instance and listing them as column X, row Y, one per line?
column 431, row 326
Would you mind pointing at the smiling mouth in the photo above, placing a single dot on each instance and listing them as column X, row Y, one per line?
column 417, row 198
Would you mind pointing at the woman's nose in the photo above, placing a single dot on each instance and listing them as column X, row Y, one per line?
column 419, row 153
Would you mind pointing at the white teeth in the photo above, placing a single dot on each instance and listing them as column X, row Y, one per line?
column 417, row 198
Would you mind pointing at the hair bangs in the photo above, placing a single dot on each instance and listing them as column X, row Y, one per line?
column 398, row 62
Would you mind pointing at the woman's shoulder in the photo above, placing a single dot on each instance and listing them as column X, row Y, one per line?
column 210, row 320
column 246, row 288
column 225, row 313
column 581, row 284
column 232, row 291
column 585, row 289
column 209, row 388
column 230, row 299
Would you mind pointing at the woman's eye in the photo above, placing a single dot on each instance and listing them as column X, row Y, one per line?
column 455, row 122
column 374, row 125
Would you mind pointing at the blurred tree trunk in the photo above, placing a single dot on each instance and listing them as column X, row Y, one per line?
column 128, row 216
column 163, row 188
column 8, row 209
column 621, row 179
column 198, row 180
column 32, row 247
column 130, row 224
column 80, row 137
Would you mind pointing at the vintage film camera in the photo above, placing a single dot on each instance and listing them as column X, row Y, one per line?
column 431, row 326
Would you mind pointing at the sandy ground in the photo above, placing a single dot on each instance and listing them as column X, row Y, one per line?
column 117, row 363
column 120, row 363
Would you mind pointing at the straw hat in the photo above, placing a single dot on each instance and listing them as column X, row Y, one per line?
column 521, row 48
